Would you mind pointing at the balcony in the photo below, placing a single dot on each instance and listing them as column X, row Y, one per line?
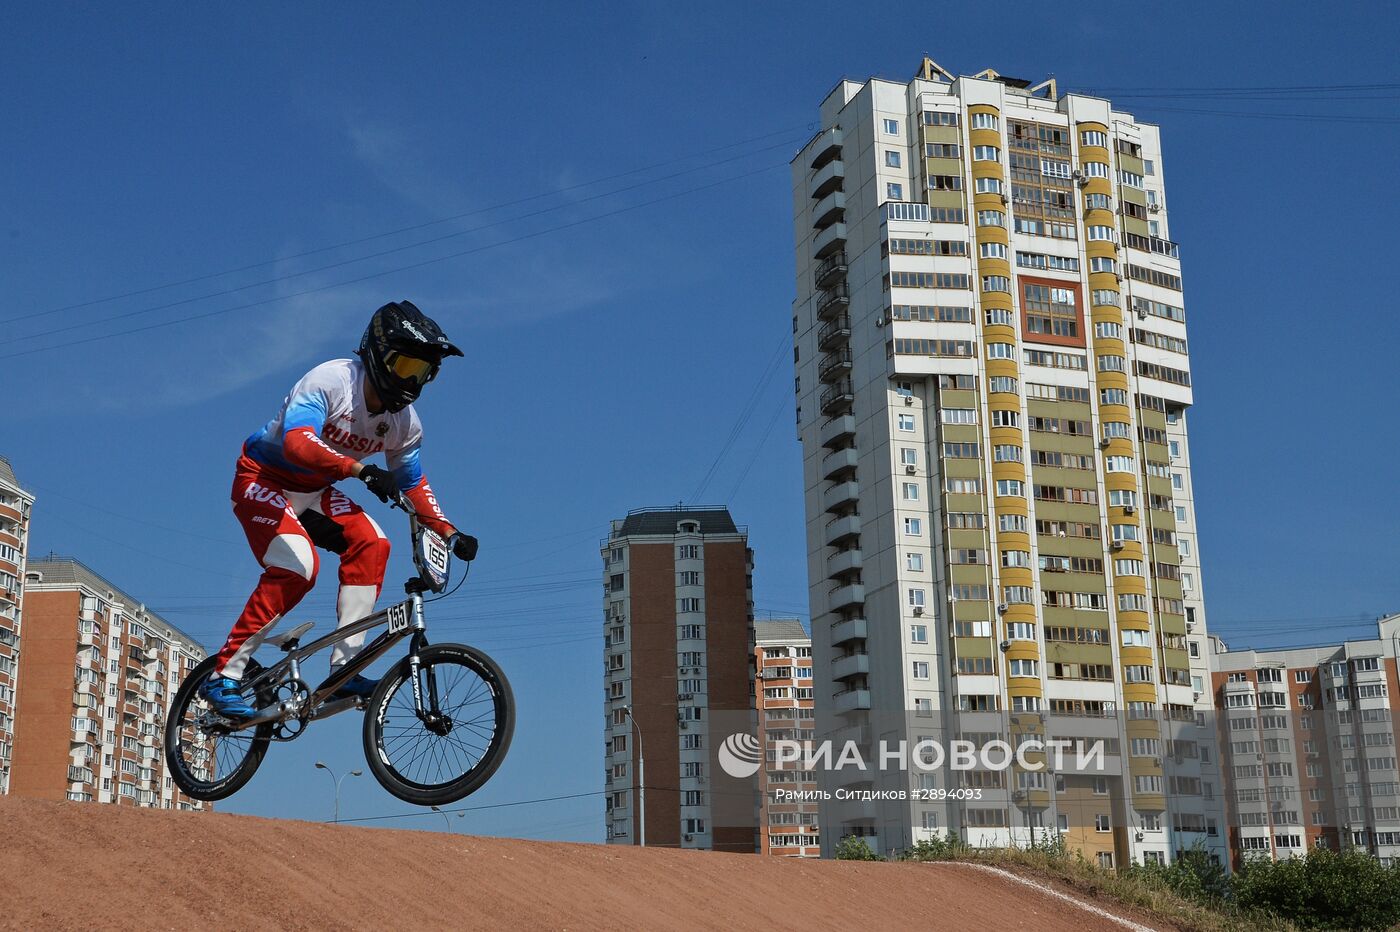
column 829, row 178
column 841, row 529
column 839, row 461
column 834, row 366
column 843, row 562
column 852, row 629
column 830, row 240
column 838, row 430
column 843, row 668
column 841, row 496
column 850, row 700
column 829, row 210
column 838, row 398
column 846, row 596
column 832, row 269
column 834, row 332
column 833, row 301
column 826, row 147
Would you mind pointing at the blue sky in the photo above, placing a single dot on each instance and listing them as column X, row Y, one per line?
column 609, row 359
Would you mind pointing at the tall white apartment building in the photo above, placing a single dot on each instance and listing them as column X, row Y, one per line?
column 992, row 387
column 15, row 505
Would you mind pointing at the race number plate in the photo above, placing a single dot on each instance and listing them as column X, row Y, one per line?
column 400, row 616
column 435, row 557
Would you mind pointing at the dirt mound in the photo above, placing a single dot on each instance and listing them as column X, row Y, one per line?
column 88, row 866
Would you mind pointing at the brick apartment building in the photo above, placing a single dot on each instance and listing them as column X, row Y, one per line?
column 97, row 673
column 783, row 698
column 677, row 652
column 1308, row 745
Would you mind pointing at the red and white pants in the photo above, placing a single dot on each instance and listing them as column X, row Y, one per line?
column 284, row 528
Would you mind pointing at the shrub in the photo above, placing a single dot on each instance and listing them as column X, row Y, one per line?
column 854, row 848
column 1325, row 890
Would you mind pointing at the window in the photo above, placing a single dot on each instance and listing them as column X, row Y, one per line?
column 986, row 154
column 984, row 121
column 916, row 598
column 918, row 634
column 906, row 422
column 689, row 605
column 1102, row 823
column 1012, row 487
column 1093, row 137
column 892, row 158
column 1096, row 170
column 1101, row 233
column 988, row 185
column 914, row 527
column 955, row 416
column 995, row 218
column 1024, row 668
column 908, row 456
column 992, row 250
column 920, row 669
column 911, row 491
column 1001, row 351
column 914, row 562
column 894, row 191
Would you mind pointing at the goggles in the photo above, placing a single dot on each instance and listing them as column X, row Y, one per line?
column 411, row 368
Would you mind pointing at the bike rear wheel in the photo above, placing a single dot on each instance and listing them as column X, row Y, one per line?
column 446, row 758
column 210, row 763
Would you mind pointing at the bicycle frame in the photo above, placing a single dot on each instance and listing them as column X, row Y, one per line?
column 404, row 619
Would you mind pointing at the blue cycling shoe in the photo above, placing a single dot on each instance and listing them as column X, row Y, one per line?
column 357, row 687
column 221, row 692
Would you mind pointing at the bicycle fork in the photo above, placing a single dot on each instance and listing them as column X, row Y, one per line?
column 430, row 715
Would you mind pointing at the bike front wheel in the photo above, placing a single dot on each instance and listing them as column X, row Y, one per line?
column 462, row 736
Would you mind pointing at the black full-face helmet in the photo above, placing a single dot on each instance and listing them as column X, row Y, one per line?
column 402, row 349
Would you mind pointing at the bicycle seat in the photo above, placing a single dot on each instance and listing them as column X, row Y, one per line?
column 288, row 640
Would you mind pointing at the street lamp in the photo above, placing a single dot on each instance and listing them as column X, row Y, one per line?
column 353, row 773
column 445, row 819
column 641, row 779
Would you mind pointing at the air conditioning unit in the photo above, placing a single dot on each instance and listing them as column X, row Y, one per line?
column 688, row 837
column 909, row 399
column 1154, row 208
column 1003, row 608
column 881, row 321
column 1129, row 509
column 1195, row 697
column 1117, row 545
column 1103, row 444
column 918, row 609
column 910, row 468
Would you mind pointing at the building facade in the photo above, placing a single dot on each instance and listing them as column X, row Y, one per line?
column 677, row 654
column 1309, row 740
column 992, row 387
column 788, row 824
column 15, row 506
column 97, row 674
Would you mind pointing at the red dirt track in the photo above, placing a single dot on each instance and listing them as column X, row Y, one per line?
column 89, row 866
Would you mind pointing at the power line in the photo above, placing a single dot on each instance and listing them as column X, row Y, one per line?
column 68, row 344
column 409, row 229
column 518, row 802
column 753, row 458
column 368, row 256
column 750, row 404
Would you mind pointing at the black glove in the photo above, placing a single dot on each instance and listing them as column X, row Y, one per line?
column 464, row 547
column 379, row 481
